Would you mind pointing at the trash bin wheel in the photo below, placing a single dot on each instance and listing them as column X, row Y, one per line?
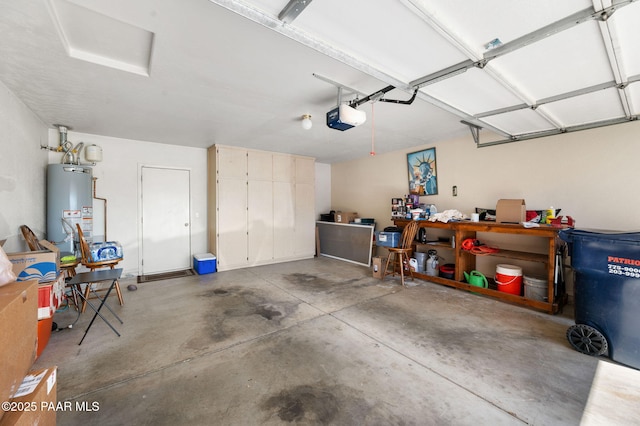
column 587, row 340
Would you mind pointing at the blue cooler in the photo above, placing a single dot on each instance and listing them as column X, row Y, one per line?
column 607, row 294
column 204, row 263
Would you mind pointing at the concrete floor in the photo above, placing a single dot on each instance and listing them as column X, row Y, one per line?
column 322, row 342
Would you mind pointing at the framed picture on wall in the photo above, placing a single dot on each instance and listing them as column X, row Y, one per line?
column 423, row 177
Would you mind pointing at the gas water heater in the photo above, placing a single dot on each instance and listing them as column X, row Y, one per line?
column 69, row 202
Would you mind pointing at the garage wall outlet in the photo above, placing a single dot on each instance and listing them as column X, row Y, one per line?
column 454, row 190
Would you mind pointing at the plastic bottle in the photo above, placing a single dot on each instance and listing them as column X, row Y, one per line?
column 551, row 214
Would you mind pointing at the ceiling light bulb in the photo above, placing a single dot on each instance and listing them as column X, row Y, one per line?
column 306, row 122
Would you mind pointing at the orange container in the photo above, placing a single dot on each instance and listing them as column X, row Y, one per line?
column 509, row 279
column 44, row 332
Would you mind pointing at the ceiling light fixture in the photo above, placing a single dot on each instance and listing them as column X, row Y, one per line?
column 306, row 122
column 292, row 10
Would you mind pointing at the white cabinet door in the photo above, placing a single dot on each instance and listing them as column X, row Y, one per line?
column 283, row 219
column 284, row 168
column 305, row 170
column 305, row 226
column 305, row 207
column 232, row 223
column 231, row 162
column 260, row 221
column 260, row 165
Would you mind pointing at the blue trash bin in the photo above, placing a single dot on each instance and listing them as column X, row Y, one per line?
column 607, row 294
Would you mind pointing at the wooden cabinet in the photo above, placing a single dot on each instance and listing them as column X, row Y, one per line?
column 261, row 207
column 465, row 261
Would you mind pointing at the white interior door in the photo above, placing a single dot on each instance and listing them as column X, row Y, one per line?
column 166, row 225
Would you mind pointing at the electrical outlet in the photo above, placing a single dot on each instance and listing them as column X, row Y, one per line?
column 454, row 190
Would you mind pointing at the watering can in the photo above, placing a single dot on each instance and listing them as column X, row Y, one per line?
column 475, row 278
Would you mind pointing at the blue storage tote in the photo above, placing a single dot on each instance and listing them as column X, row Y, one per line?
column 388, row 239
column 204, row 263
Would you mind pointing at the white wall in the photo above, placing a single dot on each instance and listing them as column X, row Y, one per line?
column 118, row 181
column 591, row 175
column 22, row 171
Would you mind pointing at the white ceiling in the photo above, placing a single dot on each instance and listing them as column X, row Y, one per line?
column 200, row 72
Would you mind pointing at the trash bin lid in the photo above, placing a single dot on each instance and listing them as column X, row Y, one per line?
column 569, row 235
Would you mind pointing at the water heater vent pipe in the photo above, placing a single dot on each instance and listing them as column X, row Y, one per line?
column 63, row 134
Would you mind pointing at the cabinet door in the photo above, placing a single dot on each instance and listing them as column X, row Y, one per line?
column 284, row 168
column 260, row 165
column 305, row 227
column 260, row 221
column 283, row 219
column 305, row 170
column 232, row 223
column 231, row 162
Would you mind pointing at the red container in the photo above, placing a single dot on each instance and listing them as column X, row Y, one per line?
column 448, row 271
column 509, row 279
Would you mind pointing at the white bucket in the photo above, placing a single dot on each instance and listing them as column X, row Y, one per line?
column 536, row 288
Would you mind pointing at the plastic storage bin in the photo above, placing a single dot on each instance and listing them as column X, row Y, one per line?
column 204, row 263
column 388, row 239
column 607, row 294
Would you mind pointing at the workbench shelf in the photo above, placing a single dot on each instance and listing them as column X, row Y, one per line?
column 465, row 261
column 519, row 255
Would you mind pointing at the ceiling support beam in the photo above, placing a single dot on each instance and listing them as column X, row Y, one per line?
column 569, row 129
column 292, row 10
column 475, row 131
column 586, row 15
column 610, row 40
column 443, row 74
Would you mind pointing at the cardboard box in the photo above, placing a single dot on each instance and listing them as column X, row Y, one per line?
column 511, row 211
column 43, row 265
column 204, row 263
column 378, row 266
column 345, row 217
column 37, row 400
column 50, row 297
column 19, row 337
